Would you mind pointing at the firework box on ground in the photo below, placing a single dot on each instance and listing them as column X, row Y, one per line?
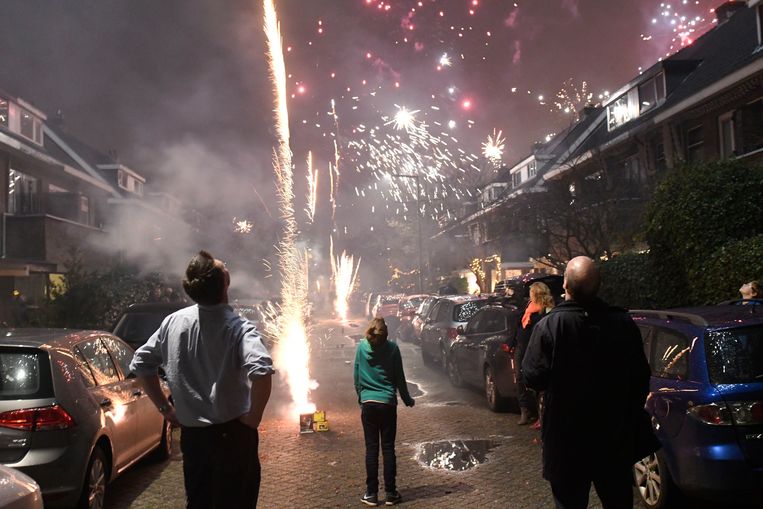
column 306, row 423
column 319, row 421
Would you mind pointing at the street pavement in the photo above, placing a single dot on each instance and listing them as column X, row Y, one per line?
column 326, row 470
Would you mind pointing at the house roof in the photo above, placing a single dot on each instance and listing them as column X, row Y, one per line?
column 726, row 48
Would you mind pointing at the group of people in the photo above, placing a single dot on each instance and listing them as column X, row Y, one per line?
column 581, row 355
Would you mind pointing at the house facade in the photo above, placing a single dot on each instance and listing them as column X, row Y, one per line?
column 702, row 104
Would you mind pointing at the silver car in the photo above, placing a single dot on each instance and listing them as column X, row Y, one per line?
column 71, row 415
column 18, row 491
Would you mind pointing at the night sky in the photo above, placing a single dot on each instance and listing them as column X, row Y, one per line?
column 179, row 87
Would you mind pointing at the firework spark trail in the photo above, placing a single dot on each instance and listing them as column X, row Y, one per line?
column 292, row 354
column 334, row 174
column 492, row 149
column 345, row 272
column 312, row 188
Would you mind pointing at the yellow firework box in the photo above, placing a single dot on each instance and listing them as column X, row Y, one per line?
column 319, row 421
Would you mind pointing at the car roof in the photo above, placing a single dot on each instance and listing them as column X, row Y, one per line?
column 459, row 299
column 722, row 316
column 153, row 307
column 46, row 338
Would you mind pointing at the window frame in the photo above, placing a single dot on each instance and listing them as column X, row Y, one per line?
column 727, row 117
column 697, row 144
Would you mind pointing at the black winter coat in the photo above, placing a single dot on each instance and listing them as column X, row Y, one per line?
column 589, row 359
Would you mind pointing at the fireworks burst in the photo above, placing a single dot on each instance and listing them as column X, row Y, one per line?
column 404, row 119
column 345, row 272
column 292, row 349
column 492, row 149
column 312, row 188
column 571, row 99
column 242, row 226
column 445, row 60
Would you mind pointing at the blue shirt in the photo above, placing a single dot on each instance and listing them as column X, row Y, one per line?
column 210, row 356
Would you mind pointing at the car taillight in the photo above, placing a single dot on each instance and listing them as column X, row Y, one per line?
column 725, row 414
column 37, row 419
column 452, row 333
column 506, row 348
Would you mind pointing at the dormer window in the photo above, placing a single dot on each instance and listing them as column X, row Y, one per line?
column 651, row 92
column 3, row 112
column 129, row 183
column 30, row 126
column 20, row 120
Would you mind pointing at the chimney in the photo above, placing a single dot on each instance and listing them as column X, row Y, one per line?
column 58, row 119
column 114, row 155
column 728, row 9
column 587, row 110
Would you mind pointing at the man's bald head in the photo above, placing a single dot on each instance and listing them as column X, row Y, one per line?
column 581, row 279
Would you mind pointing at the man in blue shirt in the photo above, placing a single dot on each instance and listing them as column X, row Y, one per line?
column 219, row 374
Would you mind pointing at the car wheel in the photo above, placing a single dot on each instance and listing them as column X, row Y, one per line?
column 454, row 375
column 96, row 477
column 164, row 450
column 495, row 401
column 654, row 483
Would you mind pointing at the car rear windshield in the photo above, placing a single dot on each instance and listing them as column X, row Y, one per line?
column 463, row 312
column 735, row 355
column 136, row 328
column 390, row 300
column 24, row 374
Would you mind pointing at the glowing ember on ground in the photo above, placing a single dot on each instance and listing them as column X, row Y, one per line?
column 292, row 351
column 242, row 226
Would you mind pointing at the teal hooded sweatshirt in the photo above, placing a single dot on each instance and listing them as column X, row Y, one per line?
column 379, row 374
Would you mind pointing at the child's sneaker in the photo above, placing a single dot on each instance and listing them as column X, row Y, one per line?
column 393, row 497
column 370, row 499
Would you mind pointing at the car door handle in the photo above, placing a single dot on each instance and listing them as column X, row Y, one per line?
column 137, row 392
column 105, row 402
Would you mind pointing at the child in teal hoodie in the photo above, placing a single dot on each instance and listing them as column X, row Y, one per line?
column 379, row 376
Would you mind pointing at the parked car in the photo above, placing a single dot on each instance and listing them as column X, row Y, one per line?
column 439, row 330
column 417, row 323
column 706, row 402
column 139, row 321
column 406, row 311
column 71, row 416
column 18, row 491
column 480, row 355
column 386, row 307
column 517, row 288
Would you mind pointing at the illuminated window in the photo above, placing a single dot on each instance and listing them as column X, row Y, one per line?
column 651, row 92
column 532, row 168
column 30, row 126
column 624, row 109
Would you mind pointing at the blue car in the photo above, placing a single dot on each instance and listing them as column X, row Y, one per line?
column 706, row 402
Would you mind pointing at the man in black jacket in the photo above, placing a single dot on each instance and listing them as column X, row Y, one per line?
column 589, row 359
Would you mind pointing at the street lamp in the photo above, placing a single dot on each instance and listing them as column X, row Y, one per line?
column 418, row 217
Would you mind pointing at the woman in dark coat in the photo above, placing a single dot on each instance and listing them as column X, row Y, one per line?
column 541, row 302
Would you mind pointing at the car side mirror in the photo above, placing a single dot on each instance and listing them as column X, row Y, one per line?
column 460, row 329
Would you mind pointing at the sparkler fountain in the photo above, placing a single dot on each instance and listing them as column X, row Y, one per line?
column 345, row 273
column 292, row 351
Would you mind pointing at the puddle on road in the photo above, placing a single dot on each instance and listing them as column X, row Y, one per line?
column 455, row 455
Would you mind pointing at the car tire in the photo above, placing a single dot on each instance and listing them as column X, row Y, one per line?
column 654, row 482
column 495, row 401
column 96, row 479
column 454, row 374
column 164, row 449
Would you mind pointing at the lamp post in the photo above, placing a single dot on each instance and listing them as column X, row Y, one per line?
column 418, row 219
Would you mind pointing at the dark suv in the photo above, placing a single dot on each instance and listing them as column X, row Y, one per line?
column 706, row 402
column 137, row 324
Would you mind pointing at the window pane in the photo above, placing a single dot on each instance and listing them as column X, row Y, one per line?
column 19, row 374
column 671, row 355
column 23, row 194
column 735, row 356
column 84, row 369
column 3, row 112
column 98, row 359
column 659, row 82
column 727, row 137
column 27, row 125
column 647, row 95
column 462, row 312
column 121, row 353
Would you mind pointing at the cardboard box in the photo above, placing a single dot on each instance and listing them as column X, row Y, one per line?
column 306, row 423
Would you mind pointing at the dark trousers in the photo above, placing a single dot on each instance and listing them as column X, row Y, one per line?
column 525, row 396
column 614, row 487
column 221, row 467
column 379, row 423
